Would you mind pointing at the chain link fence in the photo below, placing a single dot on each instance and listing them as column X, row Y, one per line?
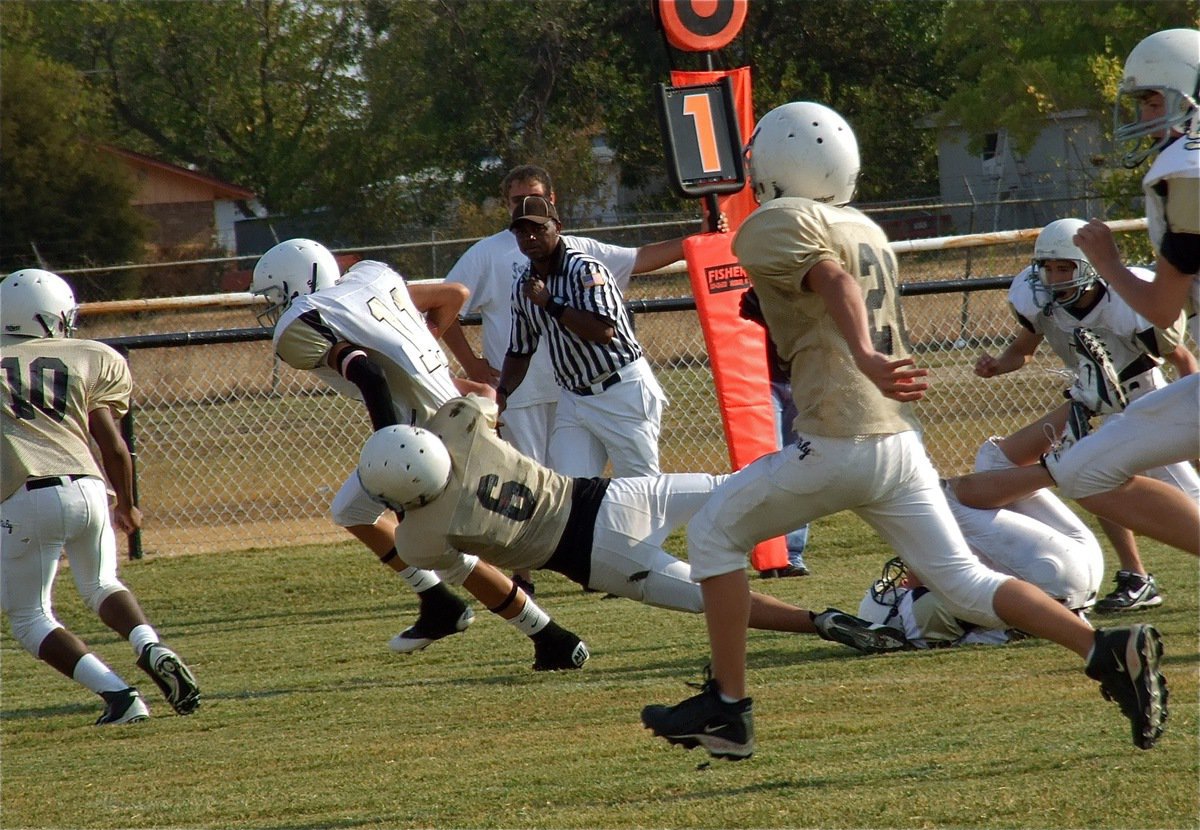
column 235, row 450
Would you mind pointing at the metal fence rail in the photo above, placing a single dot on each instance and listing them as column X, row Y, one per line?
column 235, row 450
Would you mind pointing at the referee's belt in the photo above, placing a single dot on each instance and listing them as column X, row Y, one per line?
column 611, row 380
column 52, row 481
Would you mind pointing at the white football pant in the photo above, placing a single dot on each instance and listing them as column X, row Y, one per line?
column 887, row 480
column 37, row 526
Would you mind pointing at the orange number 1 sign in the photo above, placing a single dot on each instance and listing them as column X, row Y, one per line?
column 697, row 106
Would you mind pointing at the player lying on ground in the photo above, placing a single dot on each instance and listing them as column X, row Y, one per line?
column 1037, row 539
column 465, row 493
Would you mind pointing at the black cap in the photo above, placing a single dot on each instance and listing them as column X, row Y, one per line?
column 537, row 209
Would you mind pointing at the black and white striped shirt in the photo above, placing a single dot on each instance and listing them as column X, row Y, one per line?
column 579, row 281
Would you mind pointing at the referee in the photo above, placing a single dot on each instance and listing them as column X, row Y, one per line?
column 610, row 407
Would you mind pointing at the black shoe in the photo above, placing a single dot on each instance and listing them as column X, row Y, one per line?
column 125, row 706
column 859, row 634
column 782, row 573
column 442, row 614
column 1125, row 661
column 172, row 676
column 524, row 584
column 555, row 649
column 1133, row 591
column 725, row 730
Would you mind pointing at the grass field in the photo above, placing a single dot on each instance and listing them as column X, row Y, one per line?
column 309, row 721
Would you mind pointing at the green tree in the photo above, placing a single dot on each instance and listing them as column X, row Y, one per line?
column 60, row 198
column 1014, row 63
column 464, row 90
column 257, row 92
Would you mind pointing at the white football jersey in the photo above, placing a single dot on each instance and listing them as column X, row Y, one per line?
column 1127, row 335
column 370, row 307
column 488, row 270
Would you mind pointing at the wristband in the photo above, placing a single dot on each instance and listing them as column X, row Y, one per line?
column 555, row 309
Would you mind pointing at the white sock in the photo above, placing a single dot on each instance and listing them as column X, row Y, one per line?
column 418, row 579
column 141, row 636
column 91, row 672
column 727, row 699
column 531, row 620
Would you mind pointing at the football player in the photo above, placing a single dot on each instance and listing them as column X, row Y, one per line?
column 827, row 281
column 1100, row 470
column 1037, row 538
column 1060, row 292
column 59, row 395
column 371, row 336
column 462, row 490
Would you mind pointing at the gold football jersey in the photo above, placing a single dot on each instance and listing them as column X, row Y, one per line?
column 777, row 245
column 499, row 504
column 50, row 387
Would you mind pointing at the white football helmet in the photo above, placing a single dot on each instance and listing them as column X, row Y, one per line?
column 403, row 466
column 803, row 149
column 37, row 303
column 1167, row 62
column 1057, row 241
column 289, row 270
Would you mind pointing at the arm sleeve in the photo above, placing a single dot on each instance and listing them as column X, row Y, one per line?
column 356, row 367
column 1182, row 250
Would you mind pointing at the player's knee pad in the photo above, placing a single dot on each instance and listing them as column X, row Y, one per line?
column 672, row 588
column 457, row 574
column 1077, row 478
column 30, row 626
column 991, row 457
column 1073, row 578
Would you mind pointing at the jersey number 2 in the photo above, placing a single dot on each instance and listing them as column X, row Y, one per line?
column 880, row 268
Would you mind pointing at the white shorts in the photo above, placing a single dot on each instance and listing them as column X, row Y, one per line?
column 38, row 526
column 620, row 424
column 1157, row 429
column 886, row 480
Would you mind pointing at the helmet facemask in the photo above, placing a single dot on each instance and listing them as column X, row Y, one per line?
column 289, row 270
column 1056, row 242
column 891, row 586
column 1050, row 295
column 1144, row 138
column 278, row 300
column 1167, row 63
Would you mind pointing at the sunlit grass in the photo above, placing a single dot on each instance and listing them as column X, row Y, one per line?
column 309, row 721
